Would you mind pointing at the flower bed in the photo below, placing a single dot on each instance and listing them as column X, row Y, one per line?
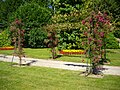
column 6, row 48
column 69, row 52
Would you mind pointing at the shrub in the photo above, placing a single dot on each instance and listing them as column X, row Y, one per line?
column 111, row 42
column 70, row 39
column 4, row 38
column 34, row 17
column 117, row 33
column 37, row 37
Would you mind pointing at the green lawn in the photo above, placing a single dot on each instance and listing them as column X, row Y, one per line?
column 112, row 54
column 39, row 78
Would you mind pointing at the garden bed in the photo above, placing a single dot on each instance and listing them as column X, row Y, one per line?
column 6, row 48
column 70, row 52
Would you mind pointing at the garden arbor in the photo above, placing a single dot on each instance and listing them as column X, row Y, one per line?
column 62, row 23
column 97, row 26
column 95, row 29
column 52, row 40
column 18, row 39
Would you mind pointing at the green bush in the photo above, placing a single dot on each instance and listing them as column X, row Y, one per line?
column 37, row 37
column 32, row 14
column 117, row 33
column 4, row 38
column 70, row 39
column 111, row 42
column 34, row 17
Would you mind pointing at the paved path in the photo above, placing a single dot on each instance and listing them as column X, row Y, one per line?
column 111, row 70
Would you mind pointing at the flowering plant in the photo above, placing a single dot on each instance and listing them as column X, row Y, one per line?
column 72, row 52
column 17, row 38
column 7, row 48
column 97, row 26
column 52, row 40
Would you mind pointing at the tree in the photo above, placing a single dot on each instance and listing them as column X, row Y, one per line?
column 42, row 3
column 69, row 30
column 67, row 17
column 7, row 7
column 34, row 17
column 65, row 6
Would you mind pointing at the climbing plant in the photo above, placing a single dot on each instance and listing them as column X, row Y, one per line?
column 52, row 39
column 97, row 27
column 17, row 38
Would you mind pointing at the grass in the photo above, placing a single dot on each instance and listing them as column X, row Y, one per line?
column 39, row 78
column 44, row 53
column 114, row 56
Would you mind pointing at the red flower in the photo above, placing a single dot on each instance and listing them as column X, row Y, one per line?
column 102, row 34
column 90, row 20
column 17, row 21
column 105, row 14
column 97, row 24
column 85, row 33
column 95, row 31
column 100, row 45
column 101, row 19
column 83, row 22
column 23, row 31
column 99, row 41
column 90, row 39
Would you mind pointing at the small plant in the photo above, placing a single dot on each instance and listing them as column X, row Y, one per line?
column 18, row 38
column 52, row 40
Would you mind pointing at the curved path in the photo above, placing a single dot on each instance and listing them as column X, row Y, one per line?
column 111, row 70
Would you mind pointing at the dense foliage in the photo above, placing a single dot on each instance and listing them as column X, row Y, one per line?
column 117, row 33
column 66, row 17
column 36, row 38
column 68, row 24
column 34, row 17
column 7, row 7
column 111, row 42
column 70, row 39
column 5, row 38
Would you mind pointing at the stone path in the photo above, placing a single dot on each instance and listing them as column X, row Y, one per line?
column 111, row 70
